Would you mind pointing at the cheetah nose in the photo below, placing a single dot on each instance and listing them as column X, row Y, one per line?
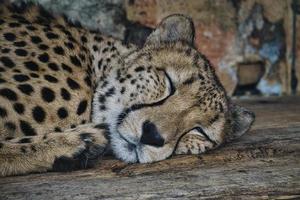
column 150, row 135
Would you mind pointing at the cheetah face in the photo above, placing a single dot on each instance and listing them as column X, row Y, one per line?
column 166, row 90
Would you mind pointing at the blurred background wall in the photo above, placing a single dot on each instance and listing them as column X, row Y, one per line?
column 249, row 42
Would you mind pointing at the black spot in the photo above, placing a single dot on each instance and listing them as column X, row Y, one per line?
column 110, row 92
column 9, row 138
column 10, row 126
column 23, row 33
column 73, row 126
column 128, row 76
column 98, row 38
column 51, row 35
column 57, row 129
column 20, row 18
column 19, row 108
column 38, row 114
column 102, row 107
column 20, row 44
column 5, row 50
column 25, row 140
column 7, row 62
column 133, row 81
column 26, row 88
column 31, row 28
column 8, row 94
column 59, row 50
column 101, row 99
column 75, row 61
column 53, row 66
column 51, row 79
column 95, row 48
column 66, row 68
column 43, row 47
column 47, row 94
column 73, row 84
column 139, row 69
column 36, row 39
column 88, row 82
column 26, row 128
column 21, row 77
column 82, row 107
column 44, row 57
column 83, row 39
column 3, row 112
column 17, row 71
column 69, row 45
column 14, row 25
column 34, row 75
column 9, row 36
column 100, row 63
column 31, row 66
column 62, row 113
column 123, row 90
column 21, row 52
column 65, row 94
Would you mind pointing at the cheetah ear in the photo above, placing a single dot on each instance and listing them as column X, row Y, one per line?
column 173, row 28
column 242, row 119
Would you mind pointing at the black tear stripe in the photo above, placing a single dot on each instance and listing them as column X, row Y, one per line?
column 140, row 106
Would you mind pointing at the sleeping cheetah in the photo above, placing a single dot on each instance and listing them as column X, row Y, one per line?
column 68, row 94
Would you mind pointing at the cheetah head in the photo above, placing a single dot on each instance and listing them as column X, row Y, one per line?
column 163, row 91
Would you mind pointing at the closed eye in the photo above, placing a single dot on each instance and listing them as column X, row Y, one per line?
column 170, row 90
column 202, row 132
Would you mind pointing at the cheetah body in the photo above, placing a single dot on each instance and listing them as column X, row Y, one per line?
column 67, row 94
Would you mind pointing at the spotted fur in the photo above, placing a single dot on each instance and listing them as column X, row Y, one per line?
column 67, row 94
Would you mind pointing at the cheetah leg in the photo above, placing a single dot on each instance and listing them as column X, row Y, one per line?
column 194, row 143
column 72, row 149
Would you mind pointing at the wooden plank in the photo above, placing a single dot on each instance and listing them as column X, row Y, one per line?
column 262, row 164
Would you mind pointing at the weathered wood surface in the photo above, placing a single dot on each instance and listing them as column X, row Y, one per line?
column 263, row 164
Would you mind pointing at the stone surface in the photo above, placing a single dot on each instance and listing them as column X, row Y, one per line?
column 250, row 73
column 107, row 16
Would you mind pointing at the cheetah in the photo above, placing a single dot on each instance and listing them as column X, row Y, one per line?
column 69, row 95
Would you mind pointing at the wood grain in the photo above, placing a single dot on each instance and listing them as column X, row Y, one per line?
column 263, row 164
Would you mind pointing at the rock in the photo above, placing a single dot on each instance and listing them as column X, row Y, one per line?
column 105, row 15
column 250, row 73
